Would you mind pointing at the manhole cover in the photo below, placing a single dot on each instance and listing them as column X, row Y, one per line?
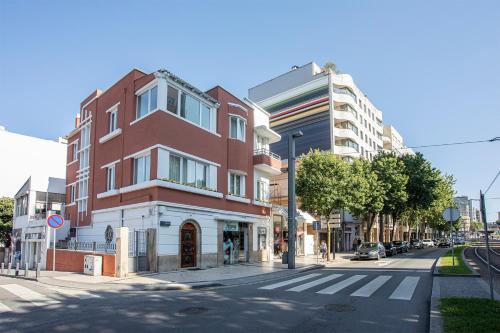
column 339, row 307
column 194, row 310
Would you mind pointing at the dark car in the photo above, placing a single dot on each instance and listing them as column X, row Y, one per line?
column 390, row 249
column 401, row 246
column 444, row 243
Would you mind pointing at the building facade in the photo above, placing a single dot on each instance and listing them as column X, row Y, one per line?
column 191, row 168
column 333, row 113
column 393, row 141
column 39, row 197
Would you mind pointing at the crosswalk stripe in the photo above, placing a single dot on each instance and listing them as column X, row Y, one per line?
column 406, row 288
column 341, row 285
column 4, row 308
column 315, row 283
column 28, row 294
column 368, row 289
column 285, row 283
column 82, row 294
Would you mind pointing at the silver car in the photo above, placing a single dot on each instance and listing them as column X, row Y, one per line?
column 370, row 251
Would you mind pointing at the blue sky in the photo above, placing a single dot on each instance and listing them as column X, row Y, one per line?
column 432, row 67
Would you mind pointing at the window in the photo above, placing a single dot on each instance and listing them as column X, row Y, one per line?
column 237, row 184
column 237, row 126
column 113, row 120
column 22, row 205
column 261, row 143
column 147, row 102
column 262, row 191
column 82, row 195
column 84, row 147
column 110, row 178
column 172, row 97
column 74, row 151
column 72, row 193
column 193, row 173
column 197, row 112
column 142, row 166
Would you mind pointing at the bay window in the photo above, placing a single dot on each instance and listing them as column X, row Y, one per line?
column 188, row 171
column 195, row 111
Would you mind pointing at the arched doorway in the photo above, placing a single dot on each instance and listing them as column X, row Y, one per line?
column 189, row 246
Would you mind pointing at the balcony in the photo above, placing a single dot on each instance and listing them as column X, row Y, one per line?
column 345, row 91
column 266, row 161
column 345, row 133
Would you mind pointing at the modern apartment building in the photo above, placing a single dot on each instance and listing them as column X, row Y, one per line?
column 189, row 168
column 37, row 198
column 333, row 113
column 393, row 141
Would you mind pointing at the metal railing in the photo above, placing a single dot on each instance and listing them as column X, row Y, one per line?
column 264, row 151
column 88, row 246
column 345, row 91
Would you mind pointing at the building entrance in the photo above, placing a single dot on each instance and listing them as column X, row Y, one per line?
column 235, row 242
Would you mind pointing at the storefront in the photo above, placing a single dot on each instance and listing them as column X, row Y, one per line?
column 305, row 236
column 235, row 242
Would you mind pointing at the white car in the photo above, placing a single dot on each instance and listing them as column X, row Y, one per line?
column 428, row 243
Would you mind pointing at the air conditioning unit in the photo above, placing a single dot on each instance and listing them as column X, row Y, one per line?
column 92, row 265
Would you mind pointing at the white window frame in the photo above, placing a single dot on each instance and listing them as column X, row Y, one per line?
column 74, row 152
column 110, row 178
column 242, row 181
column 147, row 170
column 239, row 135
column 149, row 110
column 72, row 193
column 262, row 193
column 113, row 121
column 212, row 127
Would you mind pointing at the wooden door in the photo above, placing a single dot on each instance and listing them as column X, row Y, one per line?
column 188, row 245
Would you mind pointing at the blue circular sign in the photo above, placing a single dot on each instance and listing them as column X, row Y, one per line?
column 55, row 221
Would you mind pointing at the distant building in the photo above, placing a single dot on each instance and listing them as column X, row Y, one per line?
column 22, row 155
column 393, row 141
column 463, row 203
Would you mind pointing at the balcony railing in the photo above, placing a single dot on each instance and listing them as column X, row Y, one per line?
column 88, row 246
column 348, row 108
column 264, row 151
column 345, row 91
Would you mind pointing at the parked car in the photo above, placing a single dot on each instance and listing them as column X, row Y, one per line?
column 458, row 241
column 390, row 249
column 428, row 243
column 370, row 251
column 416, row 243
column 401, row 246
column 444, row 243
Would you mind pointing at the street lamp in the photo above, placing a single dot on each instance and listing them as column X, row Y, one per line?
column 291, row 197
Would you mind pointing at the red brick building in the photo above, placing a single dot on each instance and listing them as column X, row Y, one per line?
column 152, row 152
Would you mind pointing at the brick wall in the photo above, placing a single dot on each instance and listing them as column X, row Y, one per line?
column 72, row 261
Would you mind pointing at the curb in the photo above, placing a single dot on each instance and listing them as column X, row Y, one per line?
column 435, row 271
column 435, row 316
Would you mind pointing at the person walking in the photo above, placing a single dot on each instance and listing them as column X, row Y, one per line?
column 354, row 244
column 323, row 249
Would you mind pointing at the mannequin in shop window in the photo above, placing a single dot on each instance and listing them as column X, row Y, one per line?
column 228, row 250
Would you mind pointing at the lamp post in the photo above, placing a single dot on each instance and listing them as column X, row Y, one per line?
column 291, row 197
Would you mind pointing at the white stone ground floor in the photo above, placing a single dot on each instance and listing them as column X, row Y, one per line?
column 182, row 236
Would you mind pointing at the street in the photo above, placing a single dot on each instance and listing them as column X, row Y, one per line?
column 390, row 295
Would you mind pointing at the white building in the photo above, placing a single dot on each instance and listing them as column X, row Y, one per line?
column 39, row 197
column 20, row 155
column 393, row 141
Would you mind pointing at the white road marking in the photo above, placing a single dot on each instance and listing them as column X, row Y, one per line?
column 4, row 308
column 315, row 283
column 368, row 289
column 285, row 283
column 406, row 288
column 28, row 294
column 341, row 285
column 382, row 263
column 82, row 294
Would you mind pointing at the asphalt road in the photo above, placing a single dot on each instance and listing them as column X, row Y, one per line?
column 390, row 295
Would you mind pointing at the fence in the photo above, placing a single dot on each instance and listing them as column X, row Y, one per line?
column 88, row 246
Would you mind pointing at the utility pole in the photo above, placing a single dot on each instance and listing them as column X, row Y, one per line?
column 291, row 198
column 483, row 215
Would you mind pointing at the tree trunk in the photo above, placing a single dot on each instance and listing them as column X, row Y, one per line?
column 394, row 220
column 381, row 221
column 371, row 220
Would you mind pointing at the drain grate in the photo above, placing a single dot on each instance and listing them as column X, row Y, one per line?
column 194, row 310
column 339, row 307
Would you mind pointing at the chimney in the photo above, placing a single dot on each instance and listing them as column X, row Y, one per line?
column 77, row 120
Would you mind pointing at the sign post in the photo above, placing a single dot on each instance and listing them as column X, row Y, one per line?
column 451, row 215
column 54, row 221
column 317, row 227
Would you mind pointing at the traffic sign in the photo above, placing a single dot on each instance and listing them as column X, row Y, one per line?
column 451, row 214
column 55, row 221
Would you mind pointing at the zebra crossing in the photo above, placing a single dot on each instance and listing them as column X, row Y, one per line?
column 366, row 285
column 15, row 294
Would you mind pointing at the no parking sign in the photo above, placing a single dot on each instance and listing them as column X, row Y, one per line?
column 54, row 221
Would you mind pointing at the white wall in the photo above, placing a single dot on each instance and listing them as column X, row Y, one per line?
column 23, row 156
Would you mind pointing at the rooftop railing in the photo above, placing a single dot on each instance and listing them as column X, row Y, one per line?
column 264, row 151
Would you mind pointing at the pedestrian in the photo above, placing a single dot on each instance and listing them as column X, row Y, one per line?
column 323, row 249
column 359, row 243
column 354, row 244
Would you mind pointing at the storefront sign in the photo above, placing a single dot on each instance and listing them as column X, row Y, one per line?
column 231, row 226
column 261, row 231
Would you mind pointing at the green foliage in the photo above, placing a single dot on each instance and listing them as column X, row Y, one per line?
column 365, row 191
column 476, row 225
column 6, row 217
column 322, row 179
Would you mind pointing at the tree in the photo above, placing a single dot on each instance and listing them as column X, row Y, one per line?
column 6, row 217
column 391, row 172
column 365, row 193
column 322, row 180
column 330, row 66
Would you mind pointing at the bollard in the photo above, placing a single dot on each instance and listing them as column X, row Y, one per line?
column 26, row 270
column 17, row 269
column 9, row 268
column 2, row 268
column 37, row 270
